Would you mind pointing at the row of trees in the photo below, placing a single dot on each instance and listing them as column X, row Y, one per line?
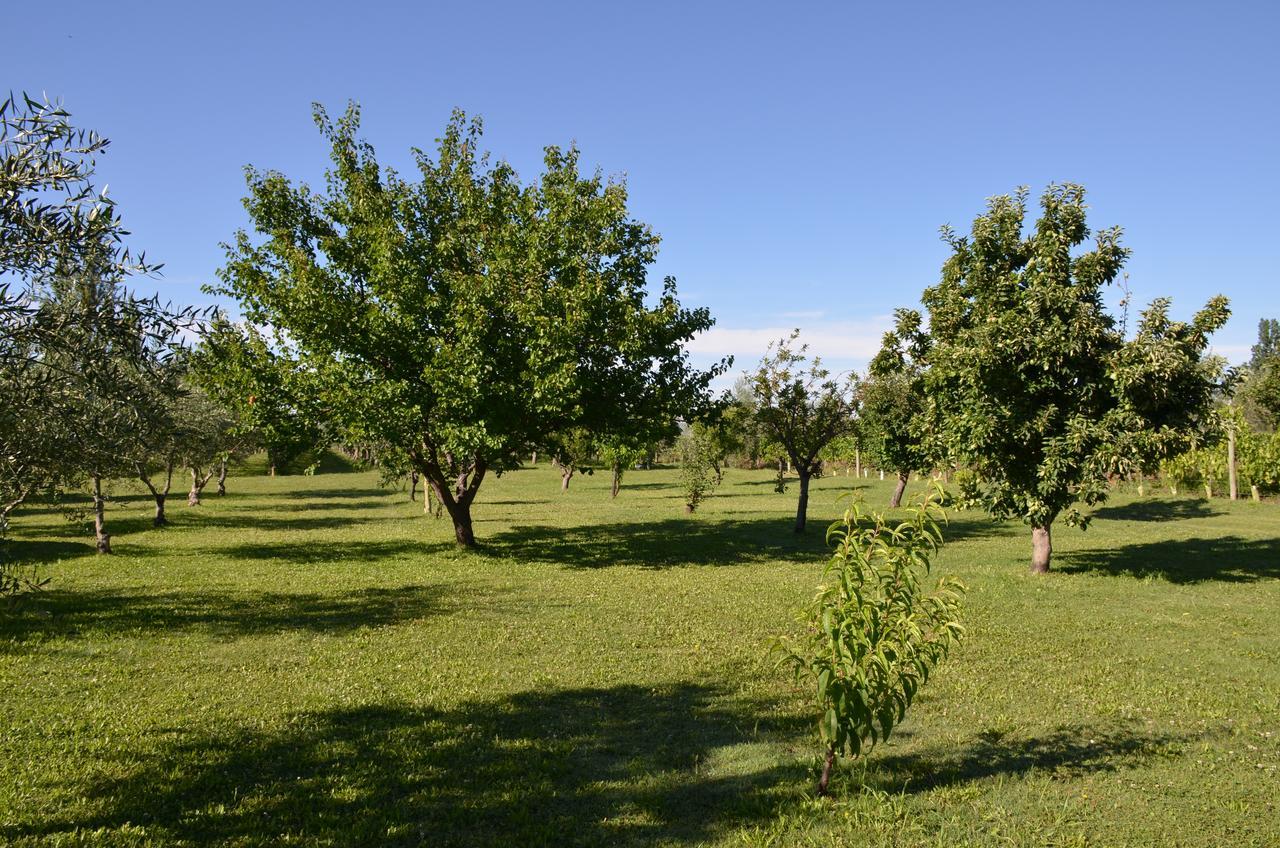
column 97, row 382
column 457, row 321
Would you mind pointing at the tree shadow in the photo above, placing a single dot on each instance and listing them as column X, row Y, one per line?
column 329, row 551
column 662, row 544
column 45, row 551
column 54, row 613
column 1229, row 559
column 1067, row 751
column 1157, row 510
column 626, row 765
column 343, row 492
column 258, row 521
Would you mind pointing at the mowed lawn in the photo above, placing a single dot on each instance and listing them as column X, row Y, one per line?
column 310, row 661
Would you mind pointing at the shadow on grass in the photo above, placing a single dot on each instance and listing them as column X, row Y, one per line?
column 1229, row 559
column 662, row 544
column 328, row 551
column 55, row 613
column 1067, row 751
column 1157, row 510
column 625, row 765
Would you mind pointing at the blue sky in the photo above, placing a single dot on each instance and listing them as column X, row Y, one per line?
column 797, row 158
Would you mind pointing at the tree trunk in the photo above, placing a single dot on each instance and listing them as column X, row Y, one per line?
column 617, row 479
column 802, row 508
column 222, row 477
column 566, row 472
column 1254, row 493
column 1041, row 549
column 413, row 486
column 534, row 461
column 826, row 771
column 99, row 518
column 193, row 496
column 159, row 520
column 896, row 500
column 461, row 515
column 1232, row 482
column 857, row 462
column 273, row 469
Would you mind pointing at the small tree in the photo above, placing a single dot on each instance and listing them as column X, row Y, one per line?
column 698, row 478
column 621, row 455
column 801, row 409
column 272, row 399
column 893, row 410
column 873, row 633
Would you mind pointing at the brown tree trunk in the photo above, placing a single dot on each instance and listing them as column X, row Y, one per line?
column 100, row 536
column 1232, row 482
column 159, row 520
column 193, row 496
column 617, row 479
column 222, row 476
column 802, row 508
column 1041, row 549
column 461, row 515
column 857, row 462
column 458, row 501
column 413, row 486
column 566, row 472
column 896, row 500
column 826, row 771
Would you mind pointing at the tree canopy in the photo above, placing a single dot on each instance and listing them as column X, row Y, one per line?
column 463, row 315
column 1031, row 380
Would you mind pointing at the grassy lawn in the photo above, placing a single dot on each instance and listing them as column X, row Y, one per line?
column 310, row 661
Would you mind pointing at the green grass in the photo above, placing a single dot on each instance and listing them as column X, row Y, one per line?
column 310, row 661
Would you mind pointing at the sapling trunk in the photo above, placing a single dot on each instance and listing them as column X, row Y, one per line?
column 1041, row 549
column 566, row 472
column 222, row 476
column 617, row 479
column 413, row 486
column 102, row 540
column 826, row 771
column 1232, row 484
column 896, row 500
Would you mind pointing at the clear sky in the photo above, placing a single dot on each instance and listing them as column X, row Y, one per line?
column 797, row 158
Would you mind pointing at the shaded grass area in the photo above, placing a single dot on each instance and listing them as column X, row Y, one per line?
column 309, row 660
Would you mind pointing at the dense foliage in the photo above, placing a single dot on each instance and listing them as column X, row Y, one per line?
column 463, row 316
column 1033, row 383
column 873, row 633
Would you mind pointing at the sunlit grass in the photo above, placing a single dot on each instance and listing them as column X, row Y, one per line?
column 309, row 660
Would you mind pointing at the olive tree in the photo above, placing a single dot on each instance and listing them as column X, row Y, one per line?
column 1032, row 382
column 462, row 315
column 801, row 408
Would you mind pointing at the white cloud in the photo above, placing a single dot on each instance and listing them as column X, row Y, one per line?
column 847, row 343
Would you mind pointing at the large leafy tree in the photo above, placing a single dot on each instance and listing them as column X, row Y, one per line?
column 462, row 315
column 1033, row 382
column 893, row 413
column 802, row 408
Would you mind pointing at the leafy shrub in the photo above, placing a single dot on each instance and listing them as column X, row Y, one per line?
column 873, row 634
column 698, row 471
